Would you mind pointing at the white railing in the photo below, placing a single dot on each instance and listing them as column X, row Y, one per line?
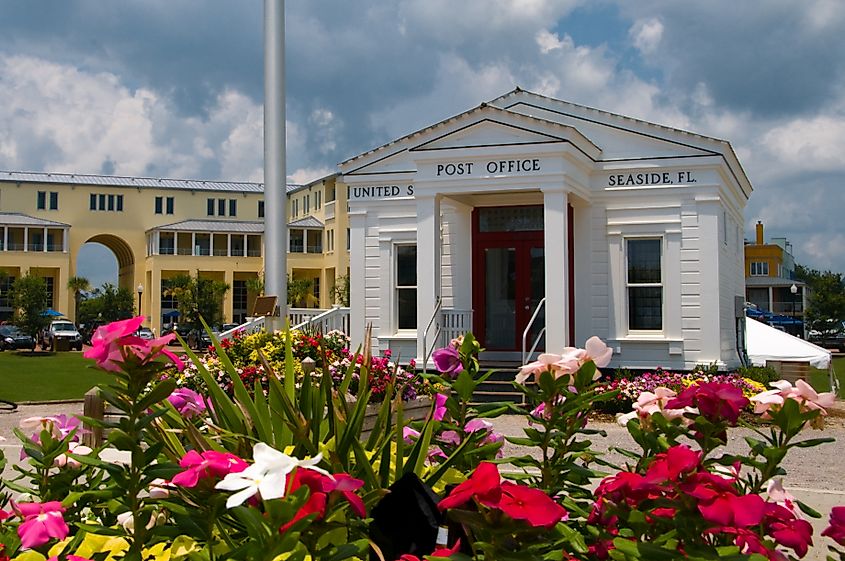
column 335, row 319
column 302, row 315
column 526, row 353
column 252, row 326
column 455, row 324
column 328, row 211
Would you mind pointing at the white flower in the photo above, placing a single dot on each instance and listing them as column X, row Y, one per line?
column 267, row 476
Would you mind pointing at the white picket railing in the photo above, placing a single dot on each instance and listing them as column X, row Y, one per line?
column 303, row 315
column 335, row 319
column 252, row 326
column 455, row 323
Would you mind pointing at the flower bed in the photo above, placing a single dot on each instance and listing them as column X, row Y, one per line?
column 330, row 352
column 630, row 387
column 288, row 474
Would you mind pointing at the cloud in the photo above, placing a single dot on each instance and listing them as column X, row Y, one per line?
column 809, row 144
column 646, row 34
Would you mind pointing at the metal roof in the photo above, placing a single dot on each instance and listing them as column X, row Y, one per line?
column 307, row 222
column 18, row 219
column 772, row 281
column 221, row 226
column 137, row 182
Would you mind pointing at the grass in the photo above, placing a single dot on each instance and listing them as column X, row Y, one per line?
column 820, row 379
column 44, row 376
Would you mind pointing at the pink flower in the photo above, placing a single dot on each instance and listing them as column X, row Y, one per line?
column 59, row 426
column 547, row 362
column 598, row 351
column 450, row 437
column 781, row 496
column 477, row 425
column 42, row 521
column 76, row 448
column 836, row 529
column 649, row 403
column 69, row 558
column 409, row 435
column 209, row 464
column 187, row 402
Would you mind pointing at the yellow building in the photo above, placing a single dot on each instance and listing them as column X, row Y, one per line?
column 160, row 228
column 770, row 281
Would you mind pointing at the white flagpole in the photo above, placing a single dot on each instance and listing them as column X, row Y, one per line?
column 275, row 181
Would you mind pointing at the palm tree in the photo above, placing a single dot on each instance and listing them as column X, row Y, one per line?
column 78, row 285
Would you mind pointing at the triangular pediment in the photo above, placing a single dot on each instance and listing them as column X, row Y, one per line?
column 487, row 132
column 484, row 126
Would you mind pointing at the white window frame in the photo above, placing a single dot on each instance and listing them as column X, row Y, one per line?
column 759, row 269
column 662, row 285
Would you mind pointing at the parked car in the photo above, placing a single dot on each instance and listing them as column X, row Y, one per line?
column 183, row 330
column 62, row 329
column 145, row 333
column 833, row 338
column 13, row 338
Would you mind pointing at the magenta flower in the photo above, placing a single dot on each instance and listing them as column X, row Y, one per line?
column 448, row 361
column 111, row 344
column 42, row 521
column 836, row 529
column 209, row 464
column 108, row 341
column 440, row 406
column 187, row 402
column 715, row 401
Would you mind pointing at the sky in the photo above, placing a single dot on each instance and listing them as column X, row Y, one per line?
column 174, row 88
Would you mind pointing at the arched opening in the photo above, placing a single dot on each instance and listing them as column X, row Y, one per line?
column 106, row 258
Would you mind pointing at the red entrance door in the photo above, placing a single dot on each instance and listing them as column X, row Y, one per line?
column 509, row 275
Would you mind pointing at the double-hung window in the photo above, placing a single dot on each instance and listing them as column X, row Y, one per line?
column 759, row 268
column 159, row 208
column 41, row 200
column 54, row 200
column 260, row 209
column 210, row 207
column 406, row 286
column 233, row 207
column 645, row 284
column 169, row 205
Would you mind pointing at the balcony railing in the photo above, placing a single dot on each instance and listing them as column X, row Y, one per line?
column 329, row 210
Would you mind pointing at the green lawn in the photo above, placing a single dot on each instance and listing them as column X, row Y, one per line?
column 46, row 376
column 820, row 379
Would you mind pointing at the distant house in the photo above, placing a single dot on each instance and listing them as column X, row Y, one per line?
column 770, row 277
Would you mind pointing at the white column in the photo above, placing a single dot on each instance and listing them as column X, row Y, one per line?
column 228, row 245
column 25, row 239
column 357, row 280
column 211, row 244
column 555, row 218
column 193, row 243
column 5, row 238
column 65, row 233
column 460, row 253
column 771, row 302
column 428, row 268
column 44, row 244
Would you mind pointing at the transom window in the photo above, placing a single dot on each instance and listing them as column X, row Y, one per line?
column 645, row 285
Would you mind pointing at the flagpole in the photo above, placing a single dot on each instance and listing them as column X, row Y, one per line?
column 275, row 182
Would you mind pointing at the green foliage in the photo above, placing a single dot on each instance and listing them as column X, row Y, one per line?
column 78, row 285
column 197, row 298
column 340, row 291
column 29, row 300
column 762, row 374
column 825, row 299
column 300, row 293
column 106, row 304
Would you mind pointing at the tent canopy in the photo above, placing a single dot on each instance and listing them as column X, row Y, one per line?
column 767, row 343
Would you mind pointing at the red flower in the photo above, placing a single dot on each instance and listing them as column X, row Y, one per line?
column 316, row 503
column 531, row 505
column 715, row 401
column 340, row 483
column 787, row 529
column 669, row 465
column 439, row 552
column 836, row 530
column 483, row 485
column 732, row 510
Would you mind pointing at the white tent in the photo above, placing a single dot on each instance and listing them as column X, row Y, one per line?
column 764, row 342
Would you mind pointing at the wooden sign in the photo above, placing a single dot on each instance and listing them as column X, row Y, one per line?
column 265, row 306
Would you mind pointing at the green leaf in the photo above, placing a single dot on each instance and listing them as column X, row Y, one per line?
column 464, row 385
column 160, row 392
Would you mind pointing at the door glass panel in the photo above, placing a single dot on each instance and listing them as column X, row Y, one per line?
column 538, row 292
column 500, row 305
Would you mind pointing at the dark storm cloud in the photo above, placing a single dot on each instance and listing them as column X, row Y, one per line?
column 771, row 58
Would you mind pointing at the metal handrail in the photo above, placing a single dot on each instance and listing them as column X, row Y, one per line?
column 427, row 353
column 525, row 355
